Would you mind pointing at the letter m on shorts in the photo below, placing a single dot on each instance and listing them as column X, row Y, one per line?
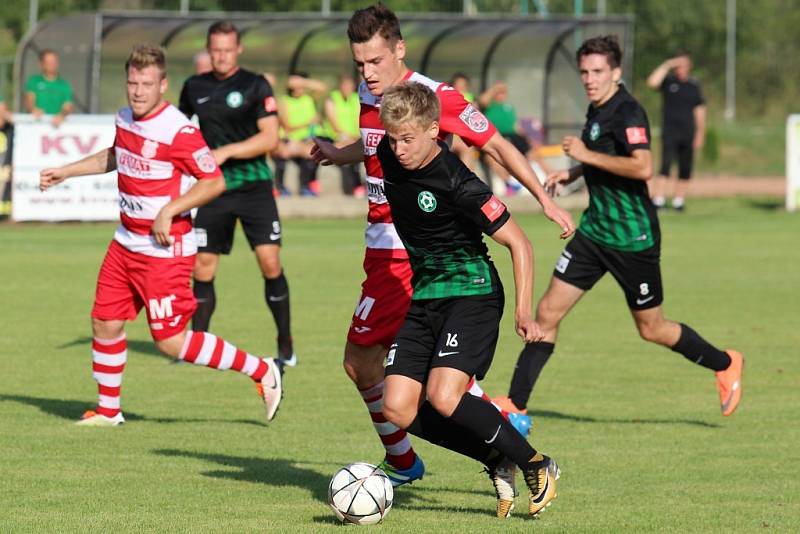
column 364, row 307
column 159, row 309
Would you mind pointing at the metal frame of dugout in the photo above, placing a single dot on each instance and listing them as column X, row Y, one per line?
column 535, row 55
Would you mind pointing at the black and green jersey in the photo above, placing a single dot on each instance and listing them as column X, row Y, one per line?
column 228, row 111
column 620, row 214
column 440, row 212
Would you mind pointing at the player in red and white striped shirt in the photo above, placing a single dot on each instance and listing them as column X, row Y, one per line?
column 149, row 263
column 379, row 52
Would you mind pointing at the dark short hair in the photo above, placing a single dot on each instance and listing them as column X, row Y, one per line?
column 607, row 45
column 223, row 26
column 47, row 51
column 372, row 20
column 458, row 76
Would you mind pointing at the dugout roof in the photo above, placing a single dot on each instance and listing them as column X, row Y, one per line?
column 534, row 55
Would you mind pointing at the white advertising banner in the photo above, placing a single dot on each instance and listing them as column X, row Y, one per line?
column 38, row 145
column 792, row 162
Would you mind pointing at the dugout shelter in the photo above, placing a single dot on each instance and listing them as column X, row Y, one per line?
column 535, row 55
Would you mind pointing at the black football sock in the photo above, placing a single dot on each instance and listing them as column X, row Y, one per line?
column 206, row 302
column 696, row 349
column 435, row 428
column 491, row 428
column 531, row 360
column 276, row 293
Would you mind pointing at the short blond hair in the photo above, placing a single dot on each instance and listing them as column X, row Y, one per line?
column 407, row 102
column 144, row 55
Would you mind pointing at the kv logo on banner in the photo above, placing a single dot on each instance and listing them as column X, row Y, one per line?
column 37, row 146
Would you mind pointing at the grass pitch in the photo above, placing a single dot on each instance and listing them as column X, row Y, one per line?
column 635, row 428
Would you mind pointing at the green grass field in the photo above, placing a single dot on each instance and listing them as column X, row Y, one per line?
column 636, row 428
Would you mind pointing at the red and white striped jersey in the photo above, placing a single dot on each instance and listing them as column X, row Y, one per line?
column 457, row 117
column 155, row 156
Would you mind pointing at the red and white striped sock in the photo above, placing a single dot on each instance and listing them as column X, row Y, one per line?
column 395, row 440
column 204, row 348
column 108, row 363
column 474, row 389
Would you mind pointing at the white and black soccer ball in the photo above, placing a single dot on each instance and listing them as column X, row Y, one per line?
column 360, row 493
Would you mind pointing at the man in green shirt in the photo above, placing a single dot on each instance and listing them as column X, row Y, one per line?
column 48, row 93
column 342, row 108
column 618, row 233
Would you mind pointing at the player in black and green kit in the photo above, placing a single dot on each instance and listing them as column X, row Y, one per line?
column 238, row 117
column 618, row 233
column 440, row 210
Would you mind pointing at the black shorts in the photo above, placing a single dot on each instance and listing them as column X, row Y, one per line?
column 519, row 142
column 459, row 333
column 253, row 204
column 680, row 145
column 583, row 262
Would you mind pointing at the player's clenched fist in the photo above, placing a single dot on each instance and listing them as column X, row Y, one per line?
column 50, row 177
column 574, row 147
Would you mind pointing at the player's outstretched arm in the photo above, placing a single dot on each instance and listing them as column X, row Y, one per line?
column 515, row 163
column 637, row 166
column 266, row 140
column 202, row 192
column 99, row 163
column 511, row 236
column 326, row 153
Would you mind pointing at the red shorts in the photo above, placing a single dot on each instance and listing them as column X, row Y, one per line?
column 128, row 281
column 385, row 298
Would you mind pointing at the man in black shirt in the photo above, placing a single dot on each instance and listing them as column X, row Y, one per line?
column 238, row 117
column 618, row 232
column 440, row 210
column 684, row 125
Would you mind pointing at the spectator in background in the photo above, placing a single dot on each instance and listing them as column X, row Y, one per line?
column 47, row 93
column 6, row 148
column 300, row 121
column 202, row 62
column 497, row 108
column 460, row 82
column 5, row 115
column 683, row 128
column 342, row 108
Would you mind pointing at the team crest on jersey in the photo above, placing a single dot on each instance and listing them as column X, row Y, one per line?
column 426, row 201
column 473, row 118
column 234, row 99
column 594, row 133
column 149, row 148
column 205, row 160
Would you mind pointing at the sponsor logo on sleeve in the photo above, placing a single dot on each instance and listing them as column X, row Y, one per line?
column 474, row 119
column 493, row 208
column 636, row 135
column 149, row 148
column 270, row 105
column 205, row 160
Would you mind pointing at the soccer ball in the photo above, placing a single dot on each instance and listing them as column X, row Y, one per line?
column 360, row 493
